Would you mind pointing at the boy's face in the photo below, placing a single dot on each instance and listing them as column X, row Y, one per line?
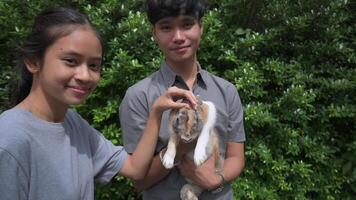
column 178, row 37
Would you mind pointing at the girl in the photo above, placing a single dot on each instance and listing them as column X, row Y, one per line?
column 47, row 151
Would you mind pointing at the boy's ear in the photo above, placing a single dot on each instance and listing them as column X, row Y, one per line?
column 153, row 33
column 32, row 65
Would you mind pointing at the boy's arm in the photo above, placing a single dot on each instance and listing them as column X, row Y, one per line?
column 206, row 176
column 234, row 162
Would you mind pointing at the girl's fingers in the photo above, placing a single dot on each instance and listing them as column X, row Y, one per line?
column 175, row 92
column 181, row 105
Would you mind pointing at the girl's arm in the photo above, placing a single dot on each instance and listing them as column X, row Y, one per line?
column 137, row 164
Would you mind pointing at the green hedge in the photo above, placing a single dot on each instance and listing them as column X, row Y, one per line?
column 293, row 63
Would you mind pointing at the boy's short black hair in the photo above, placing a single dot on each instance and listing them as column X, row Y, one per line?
column 158, row 9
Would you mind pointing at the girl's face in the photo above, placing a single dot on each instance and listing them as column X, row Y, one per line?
column 70, row 69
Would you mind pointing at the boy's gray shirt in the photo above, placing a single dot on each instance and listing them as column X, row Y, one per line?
column 136, row 105
column 41, row 160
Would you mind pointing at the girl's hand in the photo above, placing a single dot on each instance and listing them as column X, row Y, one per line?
column 169, row 100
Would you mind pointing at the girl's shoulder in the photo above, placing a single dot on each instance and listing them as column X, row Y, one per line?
column 11, row 118
column 74, row 120
column 13, row 140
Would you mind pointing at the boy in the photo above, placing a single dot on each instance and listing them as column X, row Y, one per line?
column 177, row 28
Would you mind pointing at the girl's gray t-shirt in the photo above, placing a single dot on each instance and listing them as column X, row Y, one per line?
column 40, row 160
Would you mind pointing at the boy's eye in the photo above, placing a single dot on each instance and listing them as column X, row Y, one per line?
column 188, row 25
column 165, row 28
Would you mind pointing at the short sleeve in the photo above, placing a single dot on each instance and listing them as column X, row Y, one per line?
column 13, row 182
column 108, row 159
column 235, row 127
column 133, row 118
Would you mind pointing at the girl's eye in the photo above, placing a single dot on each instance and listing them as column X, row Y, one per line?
column 95, row 67
column 70, row 61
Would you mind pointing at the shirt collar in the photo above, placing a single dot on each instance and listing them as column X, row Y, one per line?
column 173, row 79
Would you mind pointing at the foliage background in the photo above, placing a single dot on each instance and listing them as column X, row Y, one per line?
column 293, row 63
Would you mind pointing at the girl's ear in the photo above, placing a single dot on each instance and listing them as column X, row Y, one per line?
column 201, row 28
column 32, row 65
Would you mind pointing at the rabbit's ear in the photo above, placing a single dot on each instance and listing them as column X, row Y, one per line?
column 200, row 102
column 198, row 119
column 199, row 108
column 176, row 125
column 183, row 116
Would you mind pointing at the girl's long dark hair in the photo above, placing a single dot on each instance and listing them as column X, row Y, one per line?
column 49, row 26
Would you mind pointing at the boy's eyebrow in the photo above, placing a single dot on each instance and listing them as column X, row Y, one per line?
column 167, row 20
column 188, row 19
column 163, row 21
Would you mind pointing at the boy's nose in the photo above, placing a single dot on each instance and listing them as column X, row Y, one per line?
column 178, row 36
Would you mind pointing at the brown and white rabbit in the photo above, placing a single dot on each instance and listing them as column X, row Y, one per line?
column 188, row 125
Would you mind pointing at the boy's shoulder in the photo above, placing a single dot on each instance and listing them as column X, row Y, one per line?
column 212, row 78
column 143, row 85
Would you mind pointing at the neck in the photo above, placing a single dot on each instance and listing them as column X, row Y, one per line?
column 40, row 107
column 187, row 69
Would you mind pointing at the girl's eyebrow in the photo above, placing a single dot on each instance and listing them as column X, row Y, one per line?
column 70, row 53
column 76, row 54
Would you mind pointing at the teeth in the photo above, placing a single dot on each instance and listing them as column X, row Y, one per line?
column 186, row 140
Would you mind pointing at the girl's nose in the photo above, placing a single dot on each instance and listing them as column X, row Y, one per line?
column 83, row 73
